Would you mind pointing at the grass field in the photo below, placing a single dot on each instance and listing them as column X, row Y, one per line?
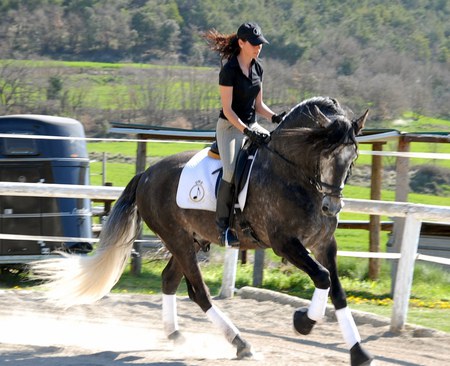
column 134, row 86
column 130, row 86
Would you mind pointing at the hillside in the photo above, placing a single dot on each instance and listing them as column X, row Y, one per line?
column 149, row 30
column 391, row 57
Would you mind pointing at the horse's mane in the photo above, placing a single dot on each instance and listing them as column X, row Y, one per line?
column 301, row 140
column 302, row 116
column 300, row 130
column 311, row 142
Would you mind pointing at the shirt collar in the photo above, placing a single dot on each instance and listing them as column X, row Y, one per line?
column 233, row 61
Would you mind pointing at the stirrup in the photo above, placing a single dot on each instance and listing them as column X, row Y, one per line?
column 228, row 238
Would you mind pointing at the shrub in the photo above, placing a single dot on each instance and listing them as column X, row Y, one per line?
column 430, row 179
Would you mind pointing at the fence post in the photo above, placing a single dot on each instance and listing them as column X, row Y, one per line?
column 258, row 267
column 229, row 273
column 104, row 160
column 405, row 271
column 401, row 195
column 375, row 220
column 136, row 259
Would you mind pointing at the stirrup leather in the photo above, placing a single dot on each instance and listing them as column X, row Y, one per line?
column 228, row 238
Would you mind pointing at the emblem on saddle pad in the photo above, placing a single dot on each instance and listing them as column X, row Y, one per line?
column 198, row 181
column 197, row 192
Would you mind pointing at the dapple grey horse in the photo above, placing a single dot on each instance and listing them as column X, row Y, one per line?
column 294, row 195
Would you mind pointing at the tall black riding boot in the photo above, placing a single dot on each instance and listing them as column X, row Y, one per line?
column 225, row 203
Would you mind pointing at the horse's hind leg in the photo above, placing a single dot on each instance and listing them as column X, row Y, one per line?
column 171, row 278
column 184, row 262
column 358, row 355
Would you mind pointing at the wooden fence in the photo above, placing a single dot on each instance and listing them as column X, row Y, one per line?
column 414, row 214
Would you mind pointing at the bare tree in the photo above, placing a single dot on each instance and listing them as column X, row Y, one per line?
column 14, row 87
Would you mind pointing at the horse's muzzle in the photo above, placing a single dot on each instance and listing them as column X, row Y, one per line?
column 331, row 205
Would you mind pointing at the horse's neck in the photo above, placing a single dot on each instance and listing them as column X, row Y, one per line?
column 292, row 168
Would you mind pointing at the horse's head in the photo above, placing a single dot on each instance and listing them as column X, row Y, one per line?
column 322, row 145
column 339, row 150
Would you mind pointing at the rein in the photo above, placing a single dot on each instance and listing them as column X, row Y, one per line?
column 330, row 190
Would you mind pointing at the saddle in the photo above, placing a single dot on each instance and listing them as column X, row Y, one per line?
column 241, row 174
column 243, row 163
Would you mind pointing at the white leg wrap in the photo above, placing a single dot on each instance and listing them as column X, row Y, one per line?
column 220, row 320
column 319, row 300
column 348, row 327
column 169, row 313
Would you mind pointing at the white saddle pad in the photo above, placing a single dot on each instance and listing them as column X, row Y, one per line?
column 196, row 188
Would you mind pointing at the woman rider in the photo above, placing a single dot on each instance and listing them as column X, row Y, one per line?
column 241, row 93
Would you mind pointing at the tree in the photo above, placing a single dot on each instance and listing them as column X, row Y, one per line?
column 14, row 88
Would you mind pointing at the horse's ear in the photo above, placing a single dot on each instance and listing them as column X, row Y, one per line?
column 323, row 120
column 358, row 124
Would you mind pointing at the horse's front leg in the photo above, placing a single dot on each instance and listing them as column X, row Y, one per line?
column 358, row 355
column 305, row 318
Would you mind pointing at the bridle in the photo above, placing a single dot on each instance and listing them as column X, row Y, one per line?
column 335, row 190
column 330, row 190
column 324, row 188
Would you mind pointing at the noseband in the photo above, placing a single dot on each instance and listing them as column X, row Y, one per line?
column 330, row 190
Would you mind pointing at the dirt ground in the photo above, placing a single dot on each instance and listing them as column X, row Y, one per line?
column 127, row 330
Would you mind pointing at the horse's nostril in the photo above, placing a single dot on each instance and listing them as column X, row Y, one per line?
column 325, row 208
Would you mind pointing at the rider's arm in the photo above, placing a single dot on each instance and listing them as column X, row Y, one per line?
column 226, row 96
column 261, row 108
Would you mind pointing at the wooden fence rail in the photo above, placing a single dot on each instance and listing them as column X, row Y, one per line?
column 414, row 214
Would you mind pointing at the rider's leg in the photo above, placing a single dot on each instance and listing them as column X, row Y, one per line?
column 225, row 196
column 230, row 141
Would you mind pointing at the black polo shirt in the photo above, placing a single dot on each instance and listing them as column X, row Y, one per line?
column 245, row 89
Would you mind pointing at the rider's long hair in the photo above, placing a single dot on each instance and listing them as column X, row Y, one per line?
column 226, row 45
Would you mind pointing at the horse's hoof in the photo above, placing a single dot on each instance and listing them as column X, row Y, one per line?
column 177, row 337
column 302, row 324
column 243, row 348
column 359, row 356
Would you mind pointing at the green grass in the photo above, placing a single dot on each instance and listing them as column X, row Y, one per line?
column 113, row 86
column 117, row 173
column 417, row 122
column 111, row 94
column 132, row 86
column 121, row 173
column 416, row 147
column 100, row 65
column 161, row 149
column 154, row 149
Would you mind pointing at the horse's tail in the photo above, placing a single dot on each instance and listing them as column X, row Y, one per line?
column 74, row 279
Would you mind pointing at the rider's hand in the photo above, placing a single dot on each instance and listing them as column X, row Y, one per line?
column 257, row 137
column 277, row 118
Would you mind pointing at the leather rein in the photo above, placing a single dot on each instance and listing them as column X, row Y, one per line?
column 322, row 187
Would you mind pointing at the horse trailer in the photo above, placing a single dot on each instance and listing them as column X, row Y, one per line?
column 47, row 160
